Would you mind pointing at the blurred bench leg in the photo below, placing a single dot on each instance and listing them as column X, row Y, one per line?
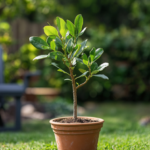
column 1, row 109
column 18, row 113
column 1, row 121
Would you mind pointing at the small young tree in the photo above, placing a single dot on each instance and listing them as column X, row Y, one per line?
column 64, row 46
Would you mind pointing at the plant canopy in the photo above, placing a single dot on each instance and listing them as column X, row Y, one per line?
column 63, row 46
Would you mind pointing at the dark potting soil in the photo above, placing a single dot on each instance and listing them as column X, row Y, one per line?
column 79, row 120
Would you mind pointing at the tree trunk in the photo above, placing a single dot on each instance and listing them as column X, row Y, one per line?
column 74, row 96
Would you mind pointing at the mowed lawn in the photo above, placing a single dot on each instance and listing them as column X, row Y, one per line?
column 121, row 130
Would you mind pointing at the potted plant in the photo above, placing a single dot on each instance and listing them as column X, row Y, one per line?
column 72, row 133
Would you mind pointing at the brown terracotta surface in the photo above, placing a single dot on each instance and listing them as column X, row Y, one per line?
column 77, row 136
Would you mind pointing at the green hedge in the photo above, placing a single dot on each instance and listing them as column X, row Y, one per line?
column 120, row 27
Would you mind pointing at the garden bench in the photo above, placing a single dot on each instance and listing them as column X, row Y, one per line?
column 14, row 90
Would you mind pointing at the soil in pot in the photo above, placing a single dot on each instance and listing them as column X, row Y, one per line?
column 79, row 120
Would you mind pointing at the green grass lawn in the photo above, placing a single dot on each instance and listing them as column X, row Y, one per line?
column 121, row 130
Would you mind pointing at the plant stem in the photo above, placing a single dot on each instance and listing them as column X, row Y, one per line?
column 86, row 79
column 74, row 95
column 83, row 83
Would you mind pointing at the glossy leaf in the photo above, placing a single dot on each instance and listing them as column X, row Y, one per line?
column 82, row 32
column 102, row 66
column 98, row 53
column 94, row 67
column 76, row 50
column 50, row 30
column 68, row 38
column 85, row 59
column 59, row 69
column 61, row 26
column 78, row 24
column 48, row 40
column 67, row 34
column 92, row 54
column 41, row 57
column 81, row 49
column 39, row 43
column 56, row 55
column 101, row 76
column 79, row 60
column 71, row 27
column 69, row 46
column 53, row 45
column 58, row 42
column 82, row 70
column 82, row 75
column 95, row 71
column 67, row 79
column 73, row 62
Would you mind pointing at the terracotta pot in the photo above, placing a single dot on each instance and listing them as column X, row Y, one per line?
column 77, row 136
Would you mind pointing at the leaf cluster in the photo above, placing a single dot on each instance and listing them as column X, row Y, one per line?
column 62, row 44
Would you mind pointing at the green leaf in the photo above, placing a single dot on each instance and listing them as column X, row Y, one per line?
column 67, row 79
column 39, row 43
column 85, row 59
column 41, row 57
column 67, row 34
column 77, row 83
column 50, row 30
column 75, row 51
column 102, row 66
column 73, row 62
column 58, row 42
column 81, row 49
column 79, row 60
column 53, row 45
column 82, row 75
column 82, row 32
column 69, row 46
column 95, row 72
column 48, row 40
column 98, row 53
column 78, row 24
column 59, row 69
column 94, row 67
column 68, row 38
column 66, row 61
column 61, row 26
column 56, row 55
column 92, row 54
column 71, row 27
column 101, row 75
column 82, row 70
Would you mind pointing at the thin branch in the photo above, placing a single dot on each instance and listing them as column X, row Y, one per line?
column 82, row 83
column 85, row 80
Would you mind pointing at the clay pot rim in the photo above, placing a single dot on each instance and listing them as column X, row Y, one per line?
column 76, row 124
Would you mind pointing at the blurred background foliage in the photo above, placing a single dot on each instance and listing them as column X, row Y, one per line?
column 120, row 27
